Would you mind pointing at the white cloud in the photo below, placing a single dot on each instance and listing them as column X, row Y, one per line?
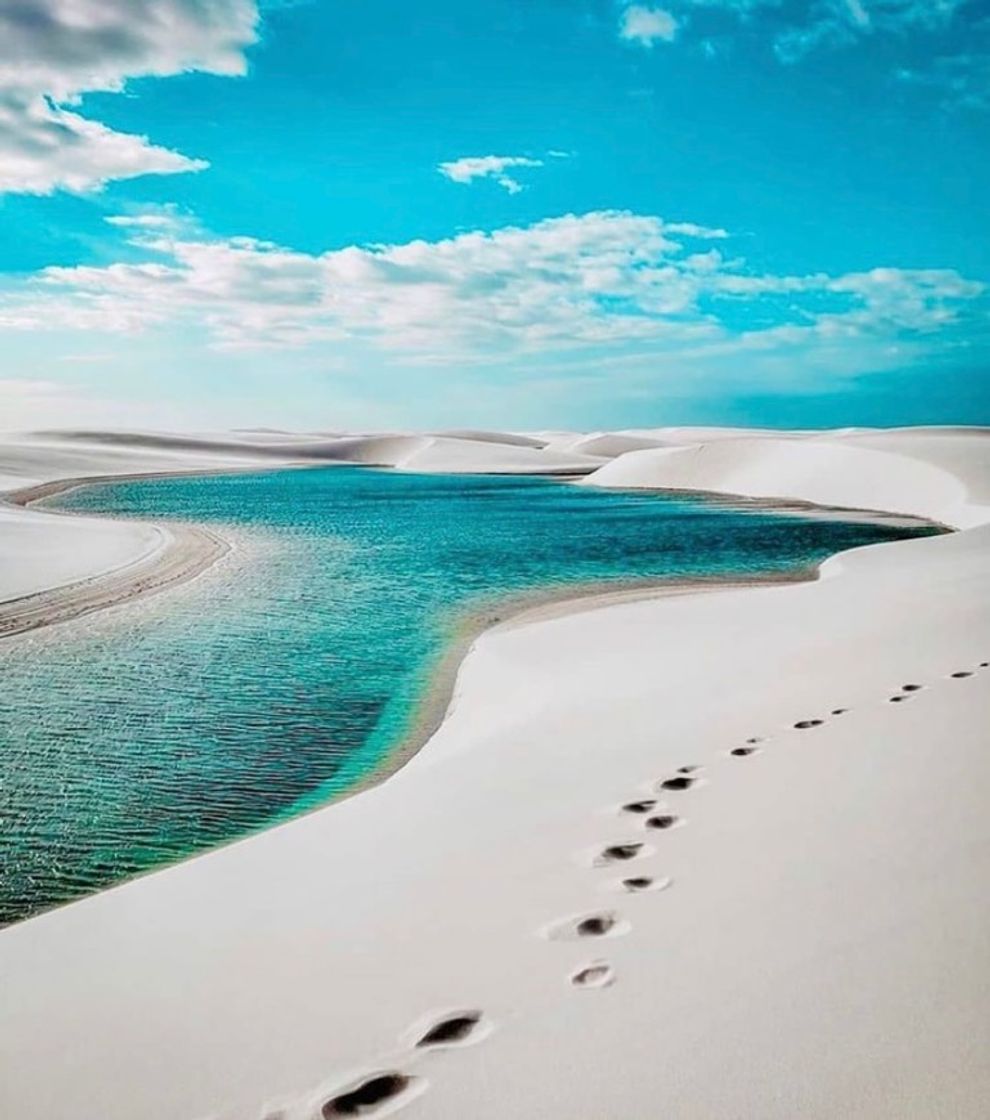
column 796, row 27
column 45, row 148
column 158, row 218
column 591, row 280
column 66, row 47
column 468, row 168
column 646, row 26
column 843, row 22
column 53, row 51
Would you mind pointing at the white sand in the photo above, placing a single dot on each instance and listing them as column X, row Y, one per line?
column 821, row 950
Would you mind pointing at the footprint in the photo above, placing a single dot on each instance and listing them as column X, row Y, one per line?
column 617, row 853
column 837, row 712
column 598, row 974
column 639, row 883
column 677, row 783
column 804, row 724
column 368, row 1096
column 985, row 664
column 742, row 752
column 898, row 699
column 662, row 820
column 962, row 673
column 605, row 923
column 639, row 806
column 754, row 739
column 687, row 769
column 911, row 687
column 451, row 1030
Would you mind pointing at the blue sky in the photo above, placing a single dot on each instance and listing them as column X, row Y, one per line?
column 521, row 213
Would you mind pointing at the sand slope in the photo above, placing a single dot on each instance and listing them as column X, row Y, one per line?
column 940, row 477
column 810, row 936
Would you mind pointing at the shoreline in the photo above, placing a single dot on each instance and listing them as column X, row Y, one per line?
column 185, row 551
column 432, row 708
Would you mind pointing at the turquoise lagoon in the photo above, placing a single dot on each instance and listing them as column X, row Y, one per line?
column 281, row 678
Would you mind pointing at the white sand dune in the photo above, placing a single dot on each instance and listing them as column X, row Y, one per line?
column 818, row 947
column 512, row 438
column 942, row 477
column 608, row 445
column 39, row 550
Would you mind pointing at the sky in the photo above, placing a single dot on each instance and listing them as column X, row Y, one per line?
column 499, row 214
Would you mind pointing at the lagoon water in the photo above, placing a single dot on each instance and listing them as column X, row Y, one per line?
column 276, row 681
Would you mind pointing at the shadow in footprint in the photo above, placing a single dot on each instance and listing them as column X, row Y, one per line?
column 598, row 925
column 598, row 974
column 617, row 853
column 898, row 699
column 962, row 673
column 804, row 724
column 678, row 783
column 911, row 687
column 839, row 711
column 368, row 1096
column 604, row 923
column 636, row 884
column 662, row 821
column 742, row 752
column 639, row 806
column 451, row 1030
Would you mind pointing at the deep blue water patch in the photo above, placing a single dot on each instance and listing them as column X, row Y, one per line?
column 136, row 737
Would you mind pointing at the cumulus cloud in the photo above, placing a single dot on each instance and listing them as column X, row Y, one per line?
column 54, row 51
column 468, row 168
column 576, row 281
column 647, row 26
column 45, row 148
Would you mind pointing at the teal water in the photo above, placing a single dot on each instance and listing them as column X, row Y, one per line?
column 136, row 737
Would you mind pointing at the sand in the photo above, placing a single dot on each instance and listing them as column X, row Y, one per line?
column 808, row 939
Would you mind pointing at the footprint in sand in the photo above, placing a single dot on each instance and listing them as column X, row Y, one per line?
column 371, row 1095
column 618, row 853
column 598, row 974
column 637, row 884
column 743, row 752
column 839, row 711
column 680, row 782
column 960, row 674
column 911, row 687
column 639, row 806
column 453, row 1030
column 662, row 821
column 804, row 724
column 604, row 923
